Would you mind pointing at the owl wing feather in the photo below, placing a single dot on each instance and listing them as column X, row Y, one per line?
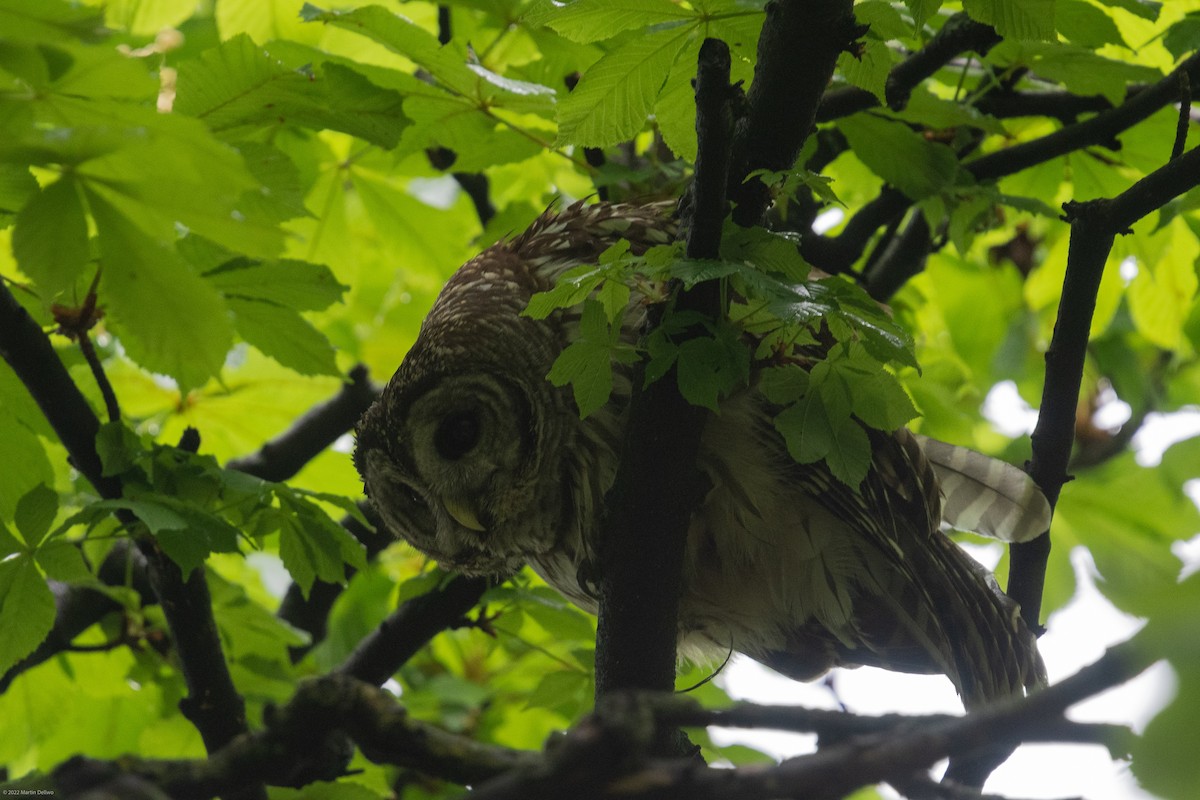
column 925, row 605
column 986, row 495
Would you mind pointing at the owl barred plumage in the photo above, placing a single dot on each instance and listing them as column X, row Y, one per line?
column 477, row 460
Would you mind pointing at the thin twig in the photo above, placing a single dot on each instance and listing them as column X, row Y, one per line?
column 106, row 390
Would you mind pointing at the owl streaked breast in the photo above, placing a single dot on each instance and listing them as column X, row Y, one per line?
column 476, row 459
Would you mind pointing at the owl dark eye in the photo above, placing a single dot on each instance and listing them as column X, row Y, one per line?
column 456, row 435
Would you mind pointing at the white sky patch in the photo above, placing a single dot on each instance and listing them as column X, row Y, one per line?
column 275, row 577
column 1007, row 410
column 1128, row 269
column 440, row 192
column 1078, row 635
column 828, row 220
column 1112, row 412
column 344, row 444
column 1159, row 431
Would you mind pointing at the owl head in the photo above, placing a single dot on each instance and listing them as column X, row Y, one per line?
column 455, row 453
column 470, row 453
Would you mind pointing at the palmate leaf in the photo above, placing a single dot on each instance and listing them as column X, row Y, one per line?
column 50, row 240
column 25, row 464
column 596, row 20
column 239, row 87
column 26, row 609
column 1015, row 19
column 312, row 545
column 1085, row 72
column 586, row 363
column 160, row 171
column 404, row 37
column 477, row 138
column 612, row 100
column 899, row 155
column 281, row 333
column 1086, row 25
column 50, row 21
column 17, row 185
column 299, row 285
column 169, row 320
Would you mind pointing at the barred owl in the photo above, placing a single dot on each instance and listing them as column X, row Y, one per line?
column 473, row 456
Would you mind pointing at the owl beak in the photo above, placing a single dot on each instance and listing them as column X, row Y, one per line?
column 463, row 515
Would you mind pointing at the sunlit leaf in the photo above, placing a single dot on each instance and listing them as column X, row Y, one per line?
column 612, row 100
column 26, row 609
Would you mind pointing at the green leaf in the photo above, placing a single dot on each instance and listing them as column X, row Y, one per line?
column 922, row 10
column 1146, row 9
column 401, row 35
column 566, row 691
column 1015, row 19
column 50, row 21
column 165, row 173
column 284, row 335
column 26, row 609
column 849, row 456
column 927, row 109
column 63, row 561
column 17, row 185
column 595, row 20
column 571, row 289
column 805, row 427
column 299, row 285
column 35, row 511
column 9, row 543
column 868, row 68
column 785, row 384
column 765, row 250
column 711, row 367
column 1162, row 760
column 169, row 320
column 612, row 100
column 692, row 271
column 1085, row 25
column 885, row 21
column 900, row 156
column 312, row 545
column 1085, row 72
column 478, row 138
column 614, row 297
column 119, row 448
column 876, row 396
column 50, row 240
column 562, row 620
column 586, row 363
column 238, row 87
column 675, row 109
column 25, row 464
column 1183, row 36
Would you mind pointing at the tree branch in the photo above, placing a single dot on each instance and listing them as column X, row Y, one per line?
column 837, row 254
column 605, row 755
column 649, row 507
column 28, row 351
column 1094, row 226
column 213, row 703
column 960, row 34
column 1098, row 130
column 797, row 52
column 296, row 739
column 903, row 258
column 410, row 627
